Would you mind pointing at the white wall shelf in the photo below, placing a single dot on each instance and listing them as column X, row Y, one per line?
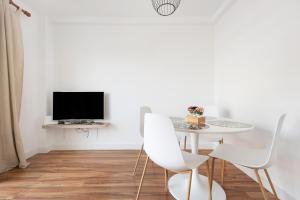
column 77, row 126
column 49, row 123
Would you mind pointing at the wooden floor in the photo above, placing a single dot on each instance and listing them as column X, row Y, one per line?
column 103, row 175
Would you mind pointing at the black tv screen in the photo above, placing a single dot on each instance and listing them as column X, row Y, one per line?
column 78, row 105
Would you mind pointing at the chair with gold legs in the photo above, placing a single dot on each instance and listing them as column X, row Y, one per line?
column 161, row 146
column 256, row 159
column 143, row 111
column 211, row 113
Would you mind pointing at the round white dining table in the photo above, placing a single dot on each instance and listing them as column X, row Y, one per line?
column 199, row 189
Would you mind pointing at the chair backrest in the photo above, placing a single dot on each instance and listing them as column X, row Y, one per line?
column 143, row 111
column 211, row 111
column 160, row 142
column 272, row 153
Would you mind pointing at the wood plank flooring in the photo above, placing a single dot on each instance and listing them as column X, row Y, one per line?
column 104, row 175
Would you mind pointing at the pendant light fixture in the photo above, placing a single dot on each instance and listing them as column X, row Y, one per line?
column 165, row 7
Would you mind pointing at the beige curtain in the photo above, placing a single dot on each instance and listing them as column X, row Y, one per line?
column 11, row 80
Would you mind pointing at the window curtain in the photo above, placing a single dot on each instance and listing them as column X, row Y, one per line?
column 11, row 81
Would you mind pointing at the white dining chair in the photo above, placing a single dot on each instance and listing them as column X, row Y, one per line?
column 143, row 111
column 256, row 159
column 161, row 146
column 211, row 113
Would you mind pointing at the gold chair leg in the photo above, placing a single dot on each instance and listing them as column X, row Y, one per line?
column 222, row 166
column 138, row 159
column 189, row 185
column 221, row 141
column 271, row 184
column 260, row 184
column 184, row 143
column 208, row 171
column 142, row 179
column 211, row 178
column 166, row 180
column 222, row 172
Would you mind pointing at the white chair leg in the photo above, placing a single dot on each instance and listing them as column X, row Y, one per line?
column 260, row 184
column 142, row 179
column 137, row 161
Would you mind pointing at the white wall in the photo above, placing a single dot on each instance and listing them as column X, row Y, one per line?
column 34, row 99
column 165, row 66
column 170, row 66
column 257, row 47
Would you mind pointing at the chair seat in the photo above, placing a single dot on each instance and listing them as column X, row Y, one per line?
column 192, row 161
column 253, row 158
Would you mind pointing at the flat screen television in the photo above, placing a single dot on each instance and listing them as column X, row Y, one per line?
column 78, row 105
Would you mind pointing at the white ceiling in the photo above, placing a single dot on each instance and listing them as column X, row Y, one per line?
column 122, row 8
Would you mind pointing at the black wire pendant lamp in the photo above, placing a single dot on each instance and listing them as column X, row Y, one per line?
column 165, row 7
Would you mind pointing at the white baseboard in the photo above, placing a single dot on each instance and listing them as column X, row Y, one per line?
column 98, row 147
column 114, row 147
column 45, row 149
column 31, row 153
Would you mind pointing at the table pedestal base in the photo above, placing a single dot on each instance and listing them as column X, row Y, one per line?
column 178, row 185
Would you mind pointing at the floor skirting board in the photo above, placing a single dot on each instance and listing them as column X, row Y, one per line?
column 31, row 153
column 114, row 147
